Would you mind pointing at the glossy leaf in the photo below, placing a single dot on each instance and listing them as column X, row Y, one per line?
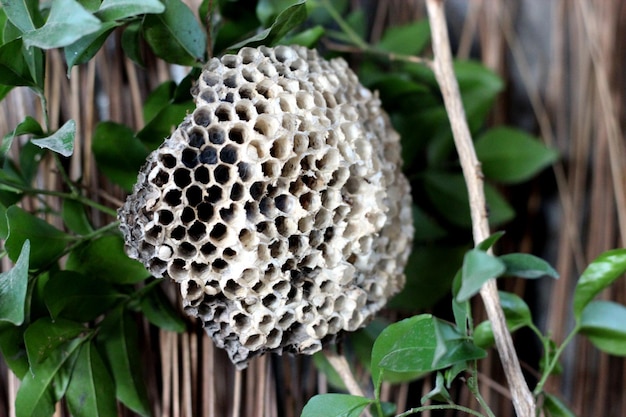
column 62, row 141
column 79, row 297
column 453, row 347
column 488, row 243
column 118, row 153
column 408, row 39
column 268, row 10
column 121, row 9
column 46, row 335
column 175, row 35
column 527, row 266
column 285, row 22
column 478, row 268
column 404, row 350
column 12, row 349
column 91, row 392
column 46, row 242
column 14, row 70
column 600, row 273
column 307, row 38
column 604, row 323
column 511, row 156
column 119, row 338
column 159, row 311
column 553, row 407
column 4, row 226
column 438, row 393
column 86, row 47
column 104, row 259
column 13, row 286
column 161, row 126
column 517, row 315
column 131, row 42
column 479, row 87
column 26, row 126
column 40, row 390
column 335, row 405
column 23, row 14
column 75, row 217
column 63, row 28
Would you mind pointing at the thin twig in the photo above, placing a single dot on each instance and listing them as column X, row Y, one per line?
column 523, row 400
column 342, row 367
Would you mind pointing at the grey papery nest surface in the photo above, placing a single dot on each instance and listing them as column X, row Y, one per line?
column 278, row 206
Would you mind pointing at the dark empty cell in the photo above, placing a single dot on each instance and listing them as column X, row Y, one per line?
column 196, row 138
column 186, row 249
column 262, row 227
column 161, row 178
column 189, row 158
column 208, row 249
column 245, row 172
column 208, row 155
column 179, row 265
column 178, row 233
column 182, row 177
column 227, row 213
column 201, row 174
column 221, row 174
column 214, row 194
column 208, row 96
column 228, row 154
column 196, row 231
column 223, row 114
column 154, row 232
column 287, row 266
column 230, row 98
column 236, row 192
column 281, row 225
column 295, row 243
column 231, row 81
column 282, row 203
column 173, row 197
column 251, row 210
column 216, row 135
column 168, row 161
column 310, row 181
column 242, row 113
column 205, row 212
column 188, row 215
column 246, row 92
column 194, row 195
column 305, row 200
column 265, row 206
column 202, row 117
column 220, row 264
column 197, row 267
column 256, row 190
column 229, row 253
column 261, row 107
column 236, row 134
column 165, row 217
column 210, row 78
column 269, row 300
column 218, row 232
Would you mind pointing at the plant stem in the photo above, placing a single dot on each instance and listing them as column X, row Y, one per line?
column 345, row 27
column 473, row 387
column 340, row 364
column 523, row 400
column 441, row 407
column 548, row 371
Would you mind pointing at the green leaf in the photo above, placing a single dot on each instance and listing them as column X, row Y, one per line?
column 453, row 347
column 159, row 99
column 121, row 9
column 335, row 405
column 104, row 259
column 86, row 47
column 13, row 350
column 14, row 70
column 307, row 38
column 131, row 42
column 478, row 268
column 161, row 126
column 119, row 339
column 62, row 141
column 324, row 367
column 159, row 311
column 23, row 14
column 118, row 153
column 554, row 407
column 78, row 297
column 600, row 273
column 90, row 392
column 528, row 266
column 488, row 243
column 604, row 323
column 26, row 126
column 438, row 393
column 13, row 286
column 63, row 28
column 4, row 227
column 268, row 10
column 517, row 315
column 175, row 35
column 511, row 156
column 47, row 242
column 404, row 350
column 408, row 39
column 45, row 335
column 40, row 390
column 426, row 228
column 285, row 22
column 479, row 87
column 75, row 217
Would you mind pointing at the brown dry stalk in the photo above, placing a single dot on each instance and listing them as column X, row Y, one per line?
column 523, row 400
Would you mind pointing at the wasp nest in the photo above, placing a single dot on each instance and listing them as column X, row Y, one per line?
column 278, row 205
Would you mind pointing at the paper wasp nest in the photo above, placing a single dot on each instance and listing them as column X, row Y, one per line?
column 278, row 205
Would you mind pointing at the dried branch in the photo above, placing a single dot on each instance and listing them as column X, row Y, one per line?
column 523, row 400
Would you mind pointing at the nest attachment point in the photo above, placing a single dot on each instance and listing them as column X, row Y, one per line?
column 278, row 206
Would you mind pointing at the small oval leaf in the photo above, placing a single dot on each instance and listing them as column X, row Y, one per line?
column 335, row 405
